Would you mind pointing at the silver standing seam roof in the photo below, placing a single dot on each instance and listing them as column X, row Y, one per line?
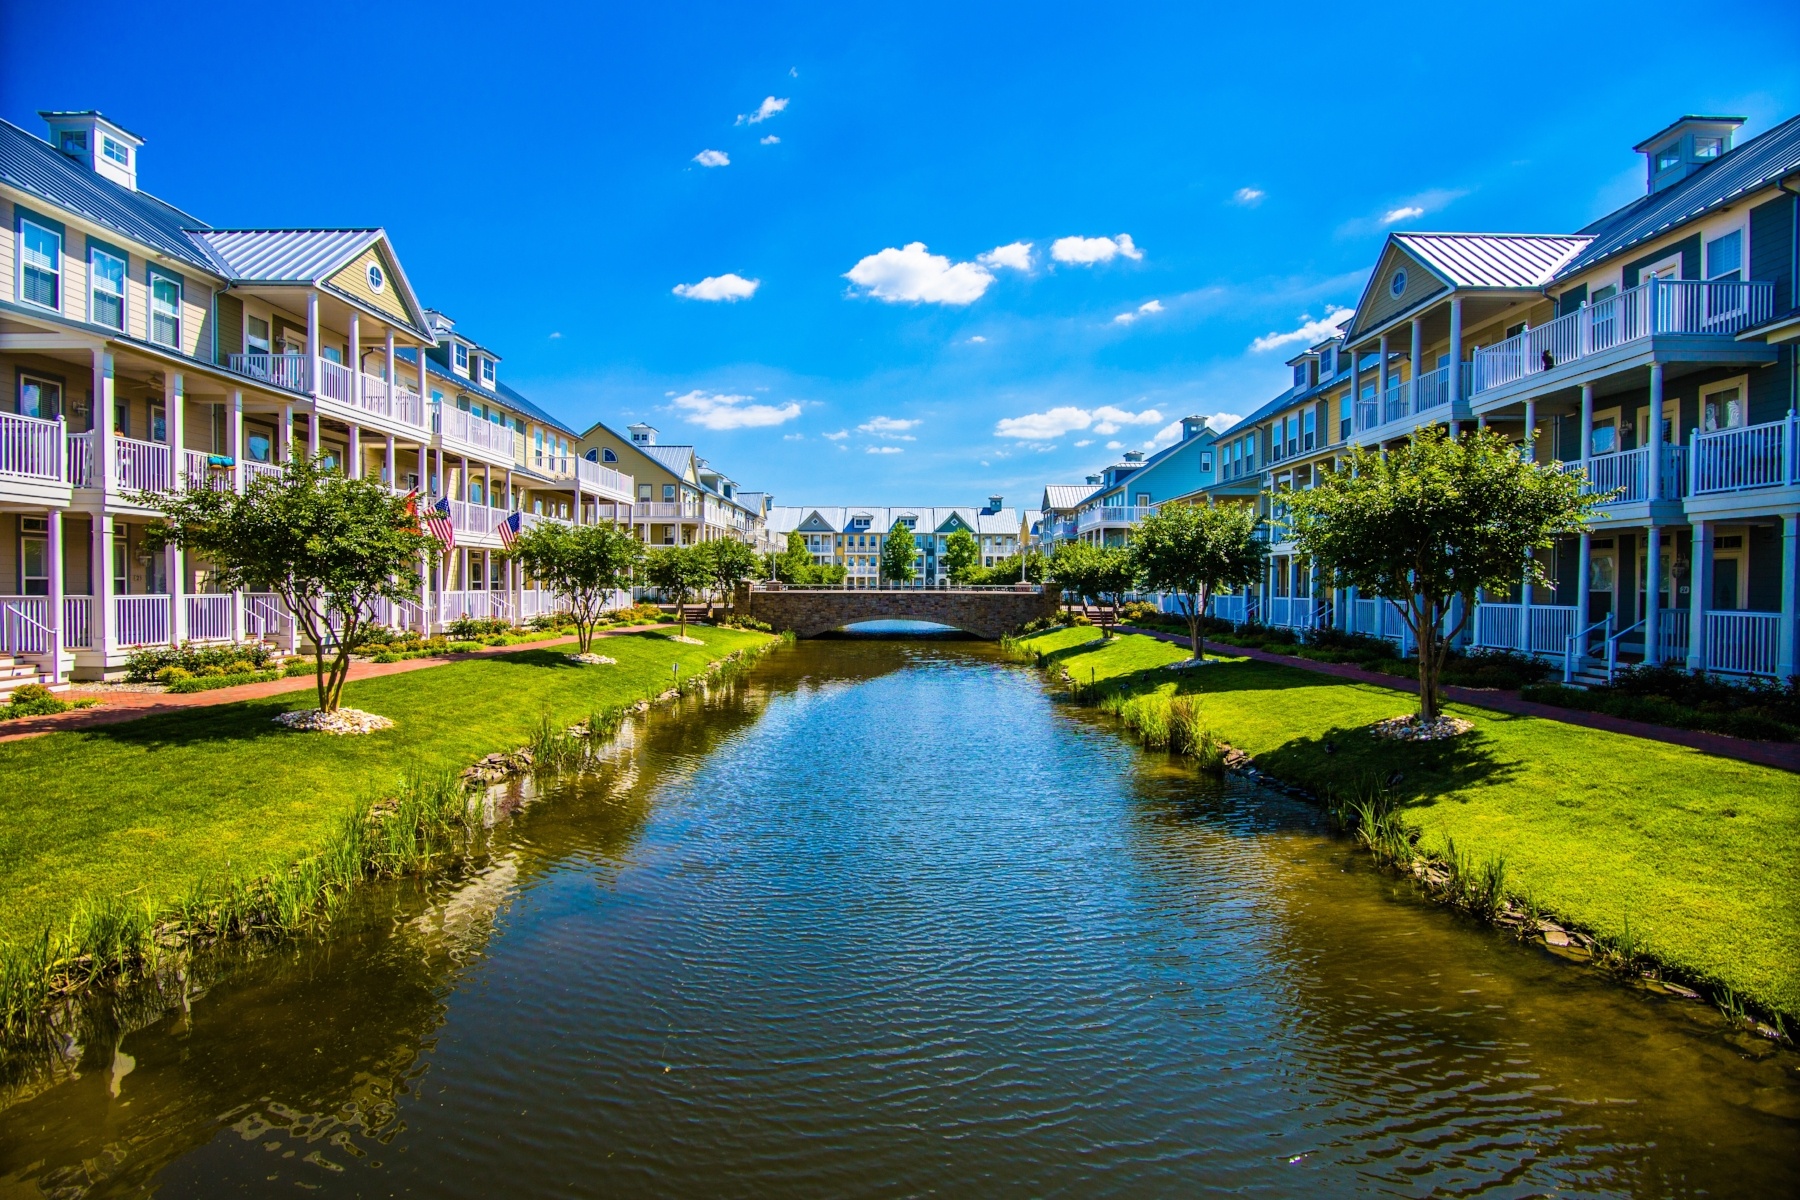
column 286, row 255
column 1494, row 260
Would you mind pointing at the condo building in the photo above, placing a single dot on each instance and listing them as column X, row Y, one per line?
column 852, row 537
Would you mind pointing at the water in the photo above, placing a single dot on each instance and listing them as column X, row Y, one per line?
column 885, row 920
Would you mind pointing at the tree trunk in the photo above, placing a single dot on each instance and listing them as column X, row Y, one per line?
column 1428, row 664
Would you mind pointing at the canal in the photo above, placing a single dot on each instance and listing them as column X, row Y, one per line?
column 883, row 918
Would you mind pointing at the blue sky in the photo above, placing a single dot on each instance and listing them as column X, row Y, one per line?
column 1155, row 189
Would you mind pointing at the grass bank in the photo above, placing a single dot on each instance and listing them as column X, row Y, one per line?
column 149, row 811
column 1693, row 861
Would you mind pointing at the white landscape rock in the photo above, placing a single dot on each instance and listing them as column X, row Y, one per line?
column 686, row 641
column 591, row 659
column 344, row 721
column 1412, row 729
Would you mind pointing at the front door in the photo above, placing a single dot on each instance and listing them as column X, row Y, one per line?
column 34, row 565
column 1603, row 573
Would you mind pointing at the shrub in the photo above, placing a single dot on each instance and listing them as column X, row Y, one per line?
column 1141, row 610
column 222, row 680
column 638, row 614
column 734, row 621
column 36, row 700
column 463, row 647
column 467, row 629
column 144, row 666
column 1667, row 695
column 1495, row 669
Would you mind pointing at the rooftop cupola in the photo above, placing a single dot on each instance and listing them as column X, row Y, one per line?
column 1690, row 144
column 1133, row 456
column 994, row 503
column 1095, row 480
column 642, row 434
column 1192, row 427
column 96, row 143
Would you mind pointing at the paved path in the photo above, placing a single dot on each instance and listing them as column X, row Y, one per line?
column 116, row 707
column 1785, row 755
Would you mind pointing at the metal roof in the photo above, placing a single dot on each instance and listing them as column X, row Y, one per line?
column 286, row 255
column 509, row 396
column 675, row 458
column 36, row 168
column 1756, row 164
column 836, row 518
column 1068, row 495
column 1494, row 260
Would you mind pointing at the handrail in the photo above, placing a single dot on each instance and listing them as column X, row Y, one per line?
column 1612, row 647
column 1579, row 638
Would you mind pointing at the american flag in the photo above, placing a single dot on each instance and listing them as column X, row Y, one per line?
column 508, row 530
column 437, row 522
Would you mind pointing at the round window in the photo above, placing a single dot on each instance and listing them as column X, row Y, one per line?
column 1397, row 284
column 377, row 280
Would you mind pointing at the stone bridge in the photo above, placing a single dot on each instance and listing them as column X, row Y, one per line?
column 984, row 612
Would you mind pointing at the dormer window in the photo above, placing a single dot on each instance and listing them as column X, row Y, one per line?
column 117, row 151
column 73, row 142
column 1708, row 147
column 461, row 358
column 1666, row 159
column 487, row 370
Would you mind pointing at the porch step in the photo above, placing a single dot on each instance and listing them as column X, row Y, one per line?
column 11, row 682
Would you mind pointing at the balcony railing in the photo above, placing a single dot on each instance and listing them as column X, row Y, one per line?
column 453, row 424
column 1094, row 518
column 336, row 382
column 1746, row 458
column 665, row 510
column 260, row 470
column 81, row 459
column 200, row 474
column 1406, row 399
column 31, row 447
column 209, row 617
column 77, row 627
column 142, row 466
column 289, row 371
column 1628, row 473
column 1540, row 629
column 397, row 403
column 141, row 620
column 1743, row 643
column 1720, row 307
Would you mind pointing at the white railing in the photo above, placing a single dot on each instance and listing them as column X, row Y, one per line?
column 31, row 446
column 288, row 371
column 24, row 625
column 663, row 510
column 141, row 620
column 81, row 459
column 1628, row 472
column 1742, row 643
column 142, row 466
column 1658, row 306
column 78, row 627
column 259, row 470
column 337, row 382
column 198, row 473
column 1118, row 515
column 1229, row 608
column 468, row 517
column 1547, row 628
column 1393, row 402
column 1294, row 612
column 209, row 618
column 1672, row 633
column 535, row 602
column 473, row 603
column 470, row 430
column 1378, row 618
column 1750, row 456
column 400, row 403
column 265, row 617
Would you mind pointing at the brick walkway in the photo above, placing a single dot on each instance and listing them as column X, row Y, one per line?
column 117, row 707
column 1784, row 755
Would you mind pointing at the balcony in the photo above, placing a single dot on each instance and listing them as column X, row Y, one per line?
column 1411, row 401
column 466, row 429
column 1717, row 309
column 665, row 510
column 32, row 448
column 1748, row 458
column 290, row 372
column 1628, row 473
column 1124, row 516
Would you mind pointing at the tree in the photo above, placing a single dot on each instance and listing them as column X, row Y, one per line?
column 1075, row 567
column 795, row 566
column 679, row 572
column 962, row 556
column 1435, row 519
column 1192, row 550
column 1007, row 570
column 899, row 555
column 1115, row 573
column 730, row 561
column 585, row 564
column 333, row 548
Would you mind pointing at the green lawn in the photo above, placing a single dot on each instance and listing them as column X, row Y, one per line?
column 149, row 807
column 1702, row 854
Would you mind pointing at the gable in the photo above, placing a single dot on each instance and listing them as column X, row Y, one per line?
column 354, row 279
column 954, row 523
column 814, row 523
column 1380, row 304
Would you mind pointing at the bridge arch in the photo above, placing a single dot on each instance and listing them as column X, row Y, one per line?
column 985, row 612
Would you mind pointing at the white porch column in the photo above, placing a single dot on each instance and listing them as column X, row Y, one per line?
column 353, row 457
column 487, row 576
column 1587, row 424
column 1381, row 374
column 1528, row 446
column 174, row 400
column 355, row 364
column 174, row 404
column 390, row 466
column 1786, row 658
column 392, row 382
column 1654, row 434
column 1702, row 555
column 1417, row 364
column 284, row 436
column 104, row 452
column 234, row 436
column 53, row 550
column 312, row 352
column 1653, row 595
column 103, row 634
column 1583, row 597
column 1456, row 331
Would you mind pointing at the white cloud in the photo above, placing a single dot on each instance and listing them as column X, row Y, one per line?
column 1015, row 255
column 891, row 428
column 1220, row 422
column 912, row 275
column 1310, row 331
column 1086, row 251
column 977, row 340
column 1168, row 435
column 1404, row 213
column 1084, row 442
column 794, row 72
column 768, row 108
column 883, row 450
column 727, row 287
column 843, row 447
column 1045, row 426
column 793, row 437
column 839, row 436
column 556, row 335
column 1143, row 310
column 771, row 140
column 1248, row 197
column 713, row 158
column 717, row 410
column 1115, row 445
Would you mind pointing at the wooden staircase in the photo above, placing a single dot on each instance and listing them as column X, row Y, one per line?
column 15, row 674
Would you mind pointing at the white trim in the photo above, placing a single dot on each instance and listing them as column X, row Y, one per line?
column 124, row 292
column 1741, row 383
column 19, row 252
column 152, row 275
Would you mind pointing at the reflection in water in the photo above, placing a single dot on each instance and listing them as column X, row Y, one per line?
column 884, row 920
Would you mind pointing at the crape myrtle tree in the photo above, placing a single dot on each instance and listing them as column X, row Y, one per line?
column 729, row 561
column 962, row 556
column 1115, row 573
column 679, row 572
column 333, row 548
column 1190, row 551
column 899, row 555
column 586, row 564
column 1075, row 567
column 794, row 565
column 1435, row 519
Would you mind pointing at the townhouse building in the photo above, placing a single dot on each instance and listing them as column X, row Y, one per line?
column 1103, row 510
column 146, row 351
column 1652, row 349
column 853, row 537
column 680, row 497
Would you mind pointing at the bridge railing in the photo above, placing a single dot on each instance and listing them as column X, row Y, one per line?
column 1005, row 588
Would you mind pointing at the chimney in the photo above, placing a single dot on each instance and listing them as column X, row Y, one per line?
column 90, row 139
column 1691, row 144
column 642, row 434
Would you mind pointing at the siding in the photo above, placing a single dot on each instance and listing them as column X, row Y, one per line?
column 1772, row 248
column 1689, row 249
column 1769, row 395
column 1383, row 304
column 353, row 280
column 231, row 326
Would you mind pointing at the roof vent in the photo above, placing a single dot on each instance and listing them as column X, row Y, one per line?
column 1094, row 479
column 1691, row 144
column 96, row 143
column 642, row 434
column 1134, row 456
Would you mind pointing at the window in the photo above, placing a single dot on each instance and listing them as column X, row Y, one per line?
column 1309, row 429
column 1722, row 409
column 73, row 141
column 1346, row 415
column 1705, row 147
column 1668, row 158
column 115, row 151
column 487, row 370
column 668, row 492
column 1327, row 363
column 1206, row 462
column 608, row 456
column 644, row 492
column 461, row 359
column 1606, row 436
column 260, row 446
column 39, row 397
column 165, row 309
column 1725, row 256
column 377, row 279
column 256, row 335
column 40, row 265
column 1300, row 375
column 106, row 288
column 1397, row 283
